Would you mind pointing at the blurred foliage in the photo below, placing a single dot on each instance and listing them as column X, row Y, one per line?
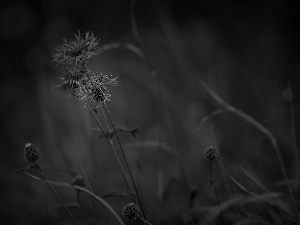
column 246, row 51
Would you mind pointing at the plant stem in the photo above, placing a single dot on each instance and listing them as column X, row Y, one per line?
column 58, row 198
column 213, row 189
column 110, row 144
column 125, row 158
column 82, row 207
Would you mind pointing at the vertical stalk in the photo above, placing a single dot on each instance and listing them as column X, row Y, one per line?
column 213, row 189
column 125, row 158
column 110, row 144
column 81, row 206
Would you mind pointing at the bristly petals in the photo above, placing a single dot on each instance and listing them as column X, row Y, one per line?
column 79, row 50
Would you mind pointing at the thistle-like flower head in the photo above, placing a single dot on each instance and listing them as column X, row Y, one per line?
column 75, row 54
column 78, row 50
column 131, row 211
column 212, row 154
column 76, row 77
column 71, row 77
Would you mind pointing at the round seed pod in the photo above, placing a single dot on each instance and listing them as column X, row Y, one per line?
column 31, row 153
column 212, row 154
column 131, row 211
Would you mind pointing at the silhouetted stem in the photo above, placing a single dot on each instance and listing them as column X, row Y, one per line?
column 125, row 159
column 213, row 189
column 110, row 144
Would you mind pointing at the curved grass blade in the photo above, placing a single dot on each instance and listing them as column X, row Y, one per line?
column 84, row 190
column 241, row 186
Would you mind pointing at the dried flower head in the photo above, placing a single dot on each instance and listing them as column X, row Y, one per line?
column 131, row 211
column 71, row 77
column 76, row 77
column 212, row 154
column 78, row 180
column 31, row 153
column 75, row 53
column 78, row 50
column 93, row 88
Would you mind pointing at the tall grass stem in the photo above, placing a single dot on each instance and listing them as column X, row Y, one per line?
column 213, row 189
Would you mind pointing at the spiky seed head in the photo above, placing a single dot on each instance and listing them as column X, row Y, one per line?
column 78, row 50
column 78, row 180
column 212, row 154
column 31, row 153
column 131, row 211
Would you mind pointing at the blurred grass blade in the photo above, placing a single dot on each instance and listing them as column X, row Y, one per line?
column 254, row 179
column 262, row 197
column 164, row 147
column 84, row 190
column 128, row 46
column 208, row 117
column 251, row 221
column 213, row 212
column 87, row 181
column 241, row 186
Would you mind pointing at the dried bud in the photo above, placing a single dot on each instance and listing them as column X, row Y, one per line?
column 31, row 153
column 78, row 180
column 131, row 211
column 212, row 154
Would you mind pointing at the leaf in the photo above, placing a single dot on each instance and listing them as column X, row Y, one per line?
column 123, row 191
column 241, row 186
column 111, row 132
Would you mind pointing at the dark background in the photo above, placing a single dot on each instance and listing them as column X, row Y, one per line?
column 247, row 51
